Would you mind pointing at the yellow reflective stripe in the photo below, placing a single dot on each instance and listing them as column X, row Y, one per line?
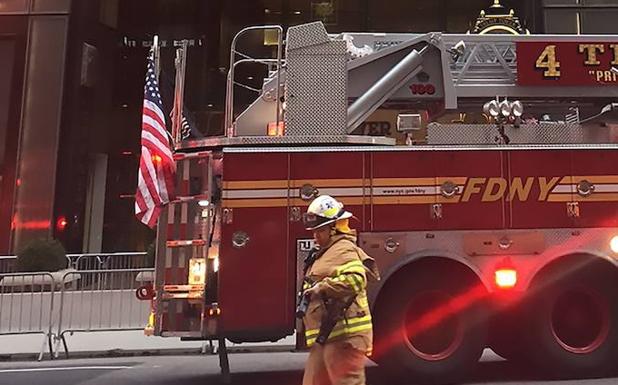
column 357, row 282
column 354, row 270
column 311, row 332
column 353, row 282
column 349, row 330
column 362, row 302
column 351, row 267
column 361, row 324
column 355, row 262
column 351, row 323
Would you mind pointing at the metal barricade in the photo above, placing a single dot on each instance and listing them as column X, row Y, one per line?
column 8, row 263
column 27, row 306
column 90, row 261
column 110, row 261
column 101, row 300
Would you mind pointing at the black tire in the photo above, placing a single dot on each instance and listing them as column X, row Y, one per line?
column 574, row 324
column 506, row 335
column 446, row 352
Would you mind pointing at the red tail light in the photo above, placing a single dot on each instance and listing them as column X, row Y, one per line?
column 61, row 223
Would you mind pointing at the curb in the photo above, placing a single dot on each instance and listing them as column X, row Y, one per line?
column 114, row 353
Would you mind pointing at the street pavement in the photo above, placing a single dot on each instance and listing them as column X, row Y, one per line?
column 247, row 369
column 137, row 359
column 100, row 344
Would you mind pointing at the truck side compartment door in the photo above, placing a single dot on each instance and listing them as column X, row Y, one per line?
column 540, row 184
column 595, row 187
column 478, row 202
column 255, row 288
column 403, row 191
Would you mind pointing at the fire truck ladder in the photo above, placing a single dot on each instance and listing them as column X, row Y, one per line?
column 485, row 66
column 478, row 66
column 187, row 257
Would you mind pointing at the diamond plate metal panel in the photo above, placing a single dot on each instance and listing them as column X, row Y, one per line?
column 477, row 134
column 316, row 90
column 306, row 35
column 332, row 48
column 557, row 243
column 292, row 140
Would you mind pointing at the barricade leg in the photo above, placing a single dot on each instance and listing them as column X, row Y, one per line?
column 46, row 342
column 56, row 351
column 51, row 347
column 207, row 347
column 224, row 363
column 60, row 339
column 66, row 348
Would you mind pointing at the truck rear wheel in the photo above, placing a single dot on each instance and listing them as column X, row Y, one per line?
column 430, row 327
column 574, row 325
column 506, row 334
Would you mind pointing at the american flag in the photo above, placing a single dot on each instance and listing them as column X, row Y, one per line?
column 155, row 184
column 185, row 130
column 186, row 126
column 573, row 116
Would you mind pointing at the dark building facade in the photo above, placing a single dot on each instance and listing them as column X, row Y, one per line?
column 71, row 86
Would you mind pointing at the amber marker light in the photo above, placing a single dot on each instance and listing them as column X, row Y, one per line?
column 506, row 278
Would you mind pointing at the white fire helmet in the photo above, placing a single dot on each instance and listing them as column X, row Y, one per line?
column 323, row 211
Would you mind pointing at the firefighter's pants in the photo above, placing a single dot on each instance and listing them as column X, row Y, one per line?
column 335, row 363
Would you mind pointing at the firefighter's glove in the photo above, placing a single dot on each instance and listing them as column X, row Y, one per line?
column 314, row 291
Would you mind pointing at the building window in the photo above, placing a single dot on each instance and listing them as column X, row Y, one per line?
column 580, row 16
column 6, row 69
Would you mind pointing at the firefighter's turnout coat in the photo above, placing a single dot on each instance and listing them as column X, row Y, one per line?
column 342, row 269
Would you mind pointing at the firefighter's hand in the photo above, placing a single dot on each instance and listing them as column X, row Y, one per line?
column 314, row 291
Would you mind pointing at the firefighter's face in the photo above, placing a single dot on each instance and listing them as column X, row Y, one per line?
column 322, row 235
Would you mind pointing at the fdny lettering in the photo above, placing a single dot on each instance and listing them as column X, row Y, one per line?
column 496, row 188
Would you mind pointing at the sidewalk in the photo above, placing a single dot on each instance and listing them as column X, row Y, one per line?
column 99, row 344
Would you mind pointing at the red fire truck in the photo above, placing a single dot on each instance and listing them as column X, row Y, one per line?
column 489, row 200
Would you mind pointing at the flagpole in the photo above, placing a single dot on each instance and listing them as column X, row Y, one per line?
column 179, row 92
column 156, row 55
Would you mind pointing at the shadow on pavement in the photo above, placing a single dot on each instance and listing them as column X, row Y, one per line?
column 260, row 378
column 486, row 372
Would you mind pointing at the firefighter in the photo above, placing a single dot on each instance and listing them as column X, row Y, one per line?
column 337, row 321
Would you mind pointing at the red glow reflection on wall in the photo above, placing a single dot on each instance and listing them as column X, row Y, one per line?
column 29, row 225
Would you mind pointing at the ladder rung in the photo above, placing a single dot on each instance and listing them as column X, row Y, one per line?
column 183, row 288
column 191, row 198
column 185, row 243
column 182, row 156
column 189, row 295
